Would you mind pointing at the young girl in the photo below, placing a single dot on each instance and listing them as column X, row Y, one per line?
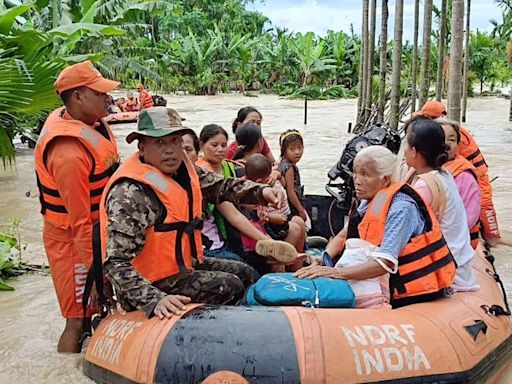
column 250, row 142
column 292, row 148
column 465, row 177
column 248, row 115
column 426, row 151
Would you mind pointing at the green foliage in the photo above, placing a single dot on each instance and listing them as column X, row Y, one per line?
column 10, row 255
column 196, row 46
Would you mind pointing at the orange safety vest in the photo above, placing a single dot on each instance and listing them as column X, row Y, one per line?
column 131, row 105
column 166, row 250
column 146, row 101
column 103, row 152
column 468, row 148
column 426, row 266
column 456, row 166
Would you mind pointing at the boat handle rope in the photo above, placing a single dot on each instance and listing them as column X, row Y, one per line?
column 497, row 310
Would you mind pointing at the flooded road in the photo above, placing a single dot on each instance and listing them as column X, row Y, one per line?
column 30, row 321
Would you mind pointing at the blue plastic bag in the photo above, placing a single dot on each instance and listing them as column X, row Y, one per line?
column 275, row 289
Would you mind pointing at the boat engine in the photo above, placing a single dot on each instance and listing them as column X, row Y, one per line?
column 341, row 185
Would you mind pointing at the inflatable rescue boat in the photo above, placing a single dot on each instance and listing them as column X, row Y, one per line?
column 466, row 338
column 122, row 117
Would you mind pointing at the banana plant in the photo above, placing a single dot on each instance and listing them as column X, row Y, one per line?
column 311, row 59
column 29, row 63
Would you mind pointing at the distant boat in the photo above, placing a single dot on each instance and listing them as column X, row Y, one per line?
column 122, row 117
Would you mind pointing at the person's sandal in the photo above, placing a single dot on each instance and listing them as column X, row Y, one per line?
column 281, row 251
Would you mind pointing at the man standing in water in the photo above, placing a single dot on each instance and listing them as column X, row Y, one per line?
column 75, row 155
column 150, row 224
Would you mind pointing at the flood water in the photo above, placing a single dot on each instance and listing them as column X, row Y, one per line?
column 30, row 321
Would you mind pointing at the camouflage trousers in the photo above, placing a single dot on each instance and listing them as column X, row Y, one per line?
column 214, row 281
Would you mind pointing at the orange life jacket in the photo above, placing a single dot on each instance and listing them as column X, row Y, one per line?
column 425, row 266
column 146, row 101
column 468, row 148
column 103, row 152
column 131, row 105
column 170, row 245
column 456, row 166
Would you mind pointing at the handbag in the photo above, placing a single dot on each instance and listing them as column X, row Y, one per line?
column 283, row 289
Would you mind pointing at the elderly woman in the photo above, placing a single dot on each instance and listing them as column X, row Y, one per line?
column 402, row 238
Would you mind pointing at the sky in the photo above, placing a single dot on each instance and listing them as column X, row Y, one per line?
column 321, row 15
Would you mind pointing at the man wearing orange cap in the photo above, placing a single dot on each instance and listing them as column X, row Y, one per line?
column 146, row 101
column 75, row 155
column 469, row 149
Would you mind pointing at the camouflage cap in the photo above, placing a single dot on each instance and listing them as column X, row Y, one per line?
column 157, row 122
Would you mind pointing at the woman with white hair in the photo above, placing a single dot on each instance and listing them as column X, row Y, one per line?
column 401, row 237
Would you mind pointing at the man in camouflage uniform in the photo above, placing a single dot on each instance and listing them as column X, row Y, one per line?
column 131, row 208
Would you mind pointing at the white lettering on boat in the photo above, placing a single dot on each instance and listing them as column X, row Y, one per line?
column 386, row 348
column 108, row 346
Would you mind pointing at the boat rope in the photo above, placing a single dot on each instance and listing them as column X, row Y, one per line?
column 495, row 310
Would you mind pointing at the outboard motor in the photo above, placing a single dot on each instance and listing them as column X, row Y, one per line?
column 159, row 101
column 343, row 191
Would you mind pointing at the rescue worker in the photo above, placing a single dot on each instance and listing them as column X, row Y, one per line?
column 131, row 104
column 146, row 101
column 468, row 148
column 75, row 155
column 151, row 227
column 394, row 217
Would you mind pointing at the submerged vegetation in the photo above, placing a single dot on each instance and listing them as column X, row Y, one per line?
column 211, row 46
column 10, row 255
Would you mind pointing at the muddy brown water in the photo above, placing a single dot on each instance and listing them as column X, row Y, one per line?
column 30, row 321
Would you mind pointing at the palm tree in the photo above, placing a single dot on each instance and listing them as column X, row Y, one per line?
column 425, row 59
column 440, row 49
column 371, row 54
column 455, row 81
column 414, row 76
column 466, row 64
column 397, row 63
column 383, row 61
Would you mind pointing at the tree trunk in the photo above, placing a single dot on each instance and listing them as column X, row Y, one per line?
column 455, row 81
column 510, row 110
column 362, row 63
column 414, row 77
column 364, row 58
column 371, row 55
column 425, row 59
column 440, row 49
column 466, row 65
column 305, row 110
column 397, row 63
column 383, row 61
